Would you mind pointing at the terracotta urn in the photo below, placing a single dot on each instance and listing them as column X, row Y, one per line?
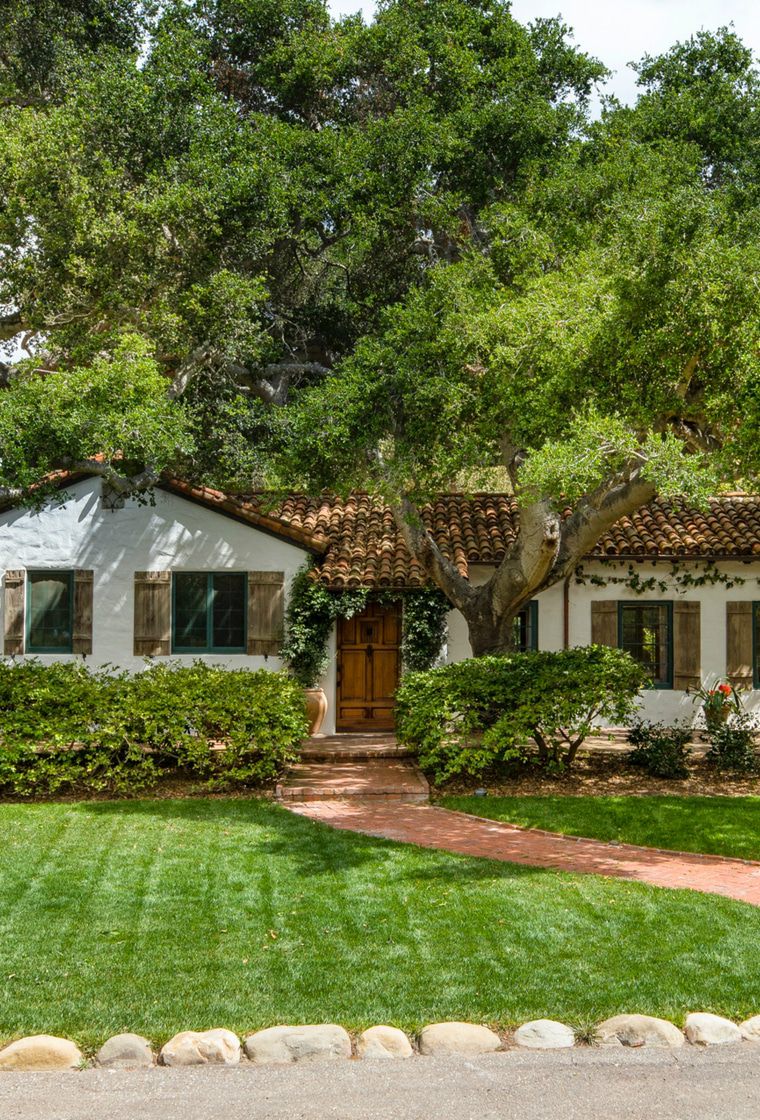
column 717, row 717
column 316, row 709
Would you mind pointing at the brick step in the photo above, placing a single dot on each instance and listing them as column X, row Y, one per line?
column 353, row 748
column 376, row 779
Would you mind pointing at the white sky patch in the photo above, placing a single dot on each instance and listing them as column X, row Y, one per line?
column 621, row 31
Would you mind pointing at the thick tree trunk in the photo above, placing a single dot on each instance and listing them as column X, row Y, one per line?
column 547, row 549
column 488, row 640
column 491, row 633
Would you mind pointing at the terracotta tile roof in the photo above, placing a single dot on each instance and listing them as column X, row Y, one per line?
column 729, row 528
column 356, row 541
column 253, row 512
column 365, row 547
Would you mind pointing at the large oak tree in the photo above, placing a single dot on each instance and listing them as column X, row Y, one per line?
column 246, row 241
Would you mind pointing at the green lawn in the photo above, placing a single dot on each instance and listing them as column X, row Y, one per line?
column 157, row 916
column 726, row 826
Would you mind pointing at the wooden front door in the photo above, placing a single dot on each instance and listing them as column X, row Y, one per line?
column 368, row 669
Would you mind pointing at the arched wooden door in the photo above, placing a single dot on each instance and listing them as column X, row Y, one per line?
column 368, row 669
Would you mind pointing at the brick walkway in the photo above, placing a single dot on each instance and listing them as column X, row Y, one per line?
column 432, row 827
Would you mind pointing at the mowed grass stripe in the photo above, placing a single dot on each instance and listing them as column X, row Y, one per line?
column 724, row 826
column 167, row 915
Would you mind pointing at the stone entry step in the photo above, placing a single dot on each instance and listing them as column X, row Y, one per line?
column 376, row 779
column 353, row 748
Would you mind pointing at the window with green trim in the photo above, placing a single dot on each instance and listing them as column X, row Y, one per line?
column 645, row 630
column 526, row 628
column 49, row 612
column 209, row 612
column 756, row 645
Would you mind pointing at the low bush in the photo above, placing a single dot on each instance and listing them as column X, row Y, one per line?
column 732, row 746
column 659, row 750
column 467, row 717
column 64, row 728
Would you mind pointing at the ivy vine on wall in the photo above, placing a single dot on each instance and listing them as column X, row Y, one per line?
column 705, row 575
column 313, row 610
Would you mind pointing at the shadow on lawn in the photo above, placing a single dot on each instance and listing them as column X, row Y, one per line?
column 311, row 847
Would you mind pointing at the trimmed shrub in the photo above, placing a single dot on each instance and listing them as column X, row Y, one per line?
column 64, row 728
column 659, row 750
column 732, row 746
column 467, row 717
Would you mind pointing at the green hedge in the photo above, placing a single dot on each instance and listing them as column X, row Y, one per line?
column 63, row 728
column 468, row 717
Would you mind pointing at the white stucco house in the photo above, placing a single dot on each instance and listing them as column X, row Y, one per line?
column 197, row 573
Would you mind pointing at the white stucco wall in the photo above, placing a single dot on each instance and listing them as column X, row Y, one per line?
column 174, row 534
column 667, row 705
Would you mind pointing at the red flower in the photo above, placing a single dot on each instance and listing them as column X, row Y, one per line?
column 725, row 689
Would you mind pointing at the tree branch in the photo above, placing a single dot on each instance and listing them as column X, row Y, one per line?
column 529, row 560
column 270, row 383
column 189, row 370
column 596, row 513
column 123, row 484
column 424, row 549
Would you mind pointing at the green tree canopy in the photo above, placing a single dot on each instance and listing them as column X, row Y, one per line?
column 397, row 255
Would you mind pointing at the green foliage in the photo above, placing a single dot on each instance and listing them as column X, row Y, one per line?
column 467, row 717
column 45, row 41
column 258, row 182
column 116, row 409
column 660, row 751
column 310, row 616
column 407, row 232
column 65, row 728
column 721, row 826
column 704, row 91
column 313, row 610
column 697, row 574
column 423, row 628
column 732, row 745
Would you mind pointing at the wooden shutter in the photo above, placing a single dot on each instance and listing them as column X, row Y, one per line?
column 604, row 622
column 13, row 610
column 687, row 659
column 739, row 668
column 266, row 612
column 82, row 635
column 153, row 614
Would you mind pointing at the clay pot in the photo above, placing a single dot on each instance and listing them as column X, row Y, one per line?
column 716, row 718
column 316, row 708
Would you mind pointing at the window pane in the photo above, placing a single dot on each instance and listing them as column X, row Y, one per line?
column 644, row 634
column 190, row 610
column 520, row 628
column 228, row 610
column 50, row 611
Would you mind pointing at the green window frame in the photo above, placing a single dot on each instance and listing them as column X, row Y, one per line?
column 625, row 606
column 756, row 645
column 49, row 615
column 526, row 628
column 200, row 615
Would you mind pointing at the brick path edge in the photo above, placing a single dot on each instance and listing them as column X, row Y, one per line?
column 430, row 826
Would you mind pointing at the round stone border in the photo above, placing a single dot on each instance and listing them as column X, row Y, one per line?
column 329, row 1042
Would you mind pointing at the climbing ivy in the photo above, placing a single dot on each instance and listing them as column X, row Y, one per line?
column 423, row 628
column 313, row 610
column 706, row 575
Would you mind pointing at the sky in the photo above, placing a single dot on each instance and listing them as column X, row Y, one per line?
column 618, row 31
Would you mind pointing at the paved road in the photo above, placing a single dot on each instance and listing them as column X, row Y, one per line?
column 722, row 1084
